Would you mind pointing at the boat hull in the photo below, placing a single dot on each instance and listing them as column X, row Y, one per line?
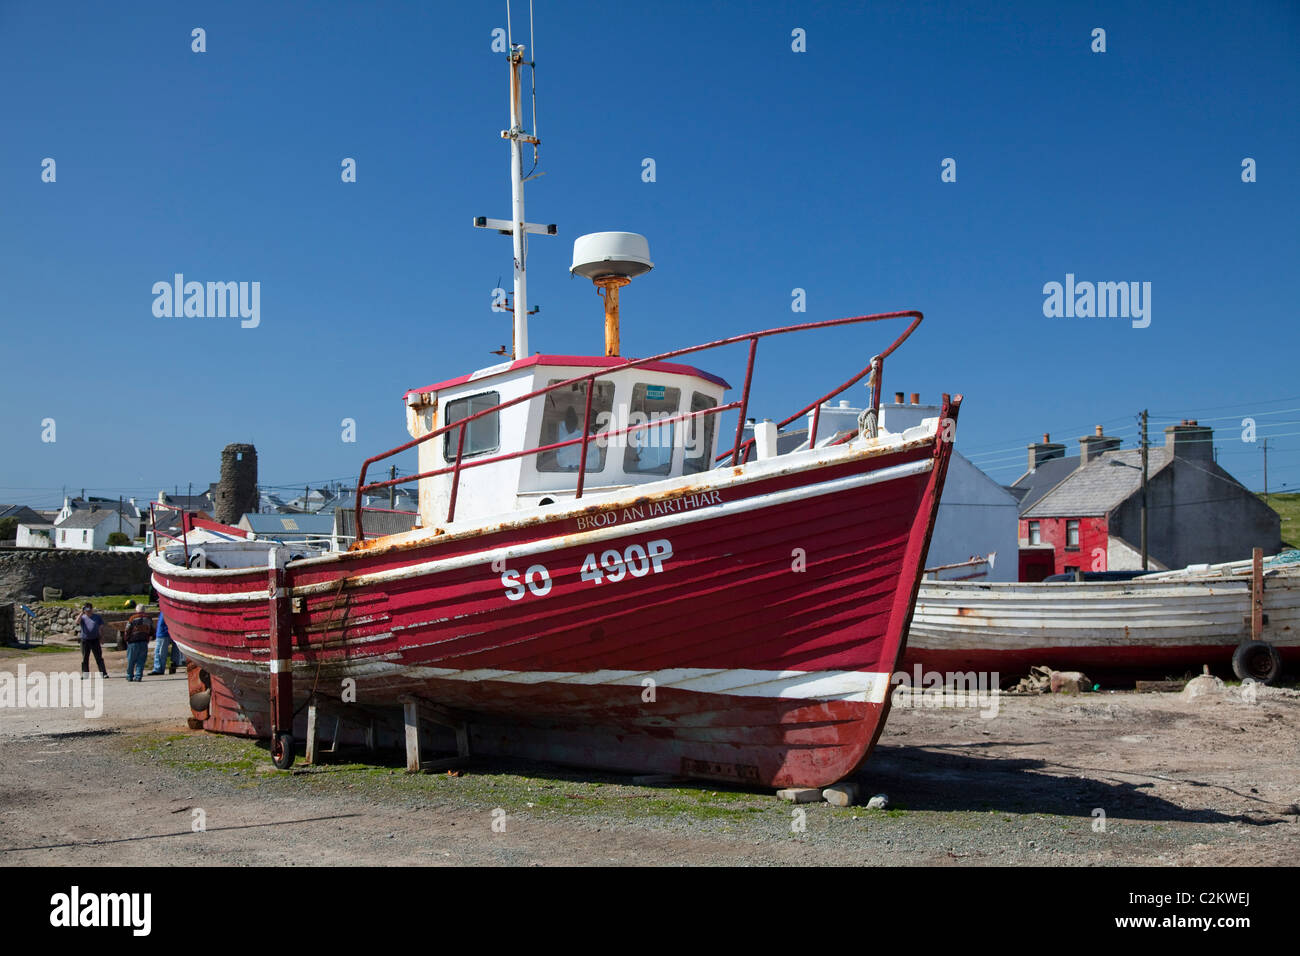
column 1131, row 628
column 750, row 636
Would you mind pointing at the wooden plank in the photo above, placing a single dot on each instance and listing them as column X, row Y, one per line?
column 411, row 714
column 1256, row 594
column 313, row 731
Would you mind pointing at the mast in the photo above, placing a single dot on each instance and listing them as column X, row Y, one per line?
column 517, row 206
column 517, row 227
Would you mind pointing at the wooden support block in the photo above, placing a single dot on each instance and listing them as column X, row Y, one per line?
column 313, row 731
column 841, row 795
column 411, row 715
column 800, row 794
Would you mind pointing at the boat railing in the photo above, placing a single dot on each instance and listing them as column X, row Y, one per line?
column 740, row 450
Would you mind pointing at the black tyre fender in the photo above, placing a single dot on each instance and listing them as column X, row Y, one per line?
column 1257, row 660
column 282, row 751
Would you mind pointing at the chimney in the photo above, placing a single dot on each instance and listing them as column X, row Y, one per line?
column 1092, row 446
column 1189, row 440
column 1045, row 450
column 916, row 398
column 898, row 398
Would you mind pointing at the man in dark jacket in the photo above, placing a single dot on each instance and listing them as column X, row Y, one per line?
column 90, row 627
column 138, row 631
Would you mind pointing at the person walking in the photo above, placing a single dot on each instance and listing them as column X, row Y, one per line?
column 90, row 628
column 161, row 647
column 138, row 631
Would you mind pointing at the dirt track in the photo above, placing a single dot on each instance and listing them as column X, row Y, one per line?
column 1181, row 780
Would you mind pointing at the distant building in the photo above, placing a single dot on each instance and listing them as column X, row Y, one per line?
column 289, row 528
column 36, row 534
column 1087, row 509
column 89, row 530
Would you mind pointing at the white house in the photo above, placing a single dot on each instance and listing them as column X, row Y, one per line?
column 88, row 530
column 35, row 536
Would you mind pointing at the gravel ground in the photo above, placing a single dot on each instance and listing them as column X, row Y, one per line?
column 1103, row 778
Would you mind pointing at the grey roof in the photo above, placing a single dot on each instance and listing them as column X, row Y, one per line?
column 376, row 523
column 104, row 504
column 1099, row 486
column 24, row 514
column 200, row 502
column 289, row 525
column 1032, row 485
column 88, row 519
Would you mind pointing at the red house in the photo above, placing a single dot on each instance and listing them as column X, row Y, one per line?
column 1087, row 510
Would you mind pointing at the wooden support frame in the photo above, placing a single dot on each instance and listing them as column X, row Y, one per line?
column 417, row 711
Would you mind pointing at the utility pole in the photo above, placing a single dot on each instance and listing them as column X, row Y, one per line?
column 1265, row 443
column 392, row 489
column 119, row 512
column 1144, row 490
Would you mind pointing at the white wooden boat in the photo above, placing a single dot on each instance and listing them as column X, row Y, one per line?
column 1160, row 624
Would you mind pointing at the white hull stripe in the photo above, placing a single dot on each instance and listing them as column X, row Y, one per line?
column 861, row 686
column 560, row 542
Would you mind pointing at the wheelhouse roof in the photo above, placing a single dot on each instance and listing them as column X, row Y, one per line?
column 579, row 361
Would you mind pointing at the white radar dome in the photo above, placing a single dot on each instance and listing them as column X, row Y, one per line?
column 611, row 254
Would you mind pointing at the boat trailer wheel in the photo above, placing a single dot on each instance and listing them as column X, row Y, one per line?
column 1257, row 660
column 282, row 751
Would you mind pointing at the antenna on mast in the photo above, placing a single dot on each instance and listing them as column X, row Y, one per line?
column 516, row 227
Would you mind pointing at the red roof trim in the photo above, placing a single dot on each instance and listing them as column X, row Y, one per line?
column 575, row 361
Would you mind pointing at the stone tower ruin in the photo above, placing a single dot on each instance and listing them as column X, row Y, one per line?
column 237, row 489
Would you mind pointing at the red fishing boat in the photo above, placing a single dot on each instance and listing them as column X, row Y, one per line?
column 590, row 581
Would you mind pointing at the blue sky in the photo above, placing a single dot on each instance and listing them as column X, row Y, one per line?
column 775, row 170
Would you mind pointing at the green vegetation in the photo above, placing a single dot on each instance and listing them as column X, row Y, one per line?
column 103, row 602
column 118, row 539
column 1287, row 505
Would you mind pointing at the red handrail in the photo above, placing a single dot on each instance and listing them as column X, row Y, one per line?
column 875, row 366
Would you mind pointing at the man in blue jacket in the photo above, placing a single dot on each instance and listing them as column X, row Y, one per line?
column 160, row 650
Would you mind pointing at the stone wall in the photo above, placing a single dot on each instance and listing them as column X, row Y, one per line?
column 24, row 573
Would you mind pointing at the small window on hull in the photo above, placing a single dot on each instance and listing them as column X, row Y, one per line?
column 482, row 435
column 650, row 450
column 562, row 421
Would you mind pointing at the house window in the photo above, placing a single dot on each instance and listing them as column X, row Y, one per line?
column 63, row 536
column 85, row 537
column 1034, row 537
column 562, row 421
column 698, row 435
column 481, row 435
column 1072, row 533
column 650, row 450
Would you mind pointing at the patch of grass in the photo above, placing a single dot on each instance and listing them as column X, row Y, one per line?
column 1287, row 505
column 103, row 602
column 17, row 650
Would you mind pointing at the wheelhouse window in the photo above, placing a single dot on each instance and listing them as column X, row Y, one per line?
column 650, row 450
column 1034, row 536
column 1072, row 533
column 697, row 435
column 562, row 421
column 482, row 435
